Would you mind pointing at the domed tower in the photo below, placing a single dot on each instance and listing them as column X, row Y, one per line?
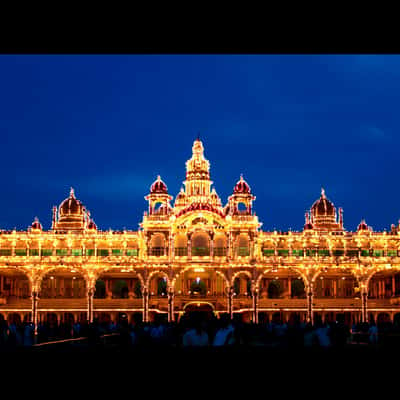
column 180, row 200
column 72, row 215
column 36, row 226
column 323, row 215
column 159, row 195
column 214, row 199
column 363, row 227
column 197, row 183
column 241, row 196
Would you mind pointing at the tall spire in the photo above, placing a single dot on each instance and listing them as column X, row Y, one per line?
column 197, row 183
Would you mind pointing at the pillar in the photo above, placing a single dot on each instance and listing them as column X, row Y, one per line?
column 242, row 285
column 364, row 309
column 90, row 296
column 145, row 304
column 289, row 287
column 171, row 296
column 230, row 302
column 254, row 295
column 230, row 249
column 131, row 295
column 189, row 244
column 393, row 286
column 310, row 295
column 35, row 299
column 334, row 288
column 172, row 248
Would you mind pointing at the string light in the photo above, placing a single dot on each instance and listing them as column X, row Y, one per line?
column 74, row 240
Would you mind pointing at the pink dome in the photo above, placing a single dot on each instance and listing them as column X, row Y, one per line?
column 241, row 186
column 159, row 186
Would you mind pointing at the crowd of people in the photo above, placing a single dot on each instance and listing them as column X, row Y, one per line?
column 195, row 330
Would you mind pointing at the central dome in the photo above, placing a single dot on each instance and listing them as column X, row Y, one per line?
column 71, row 206
column 323, row 215
column 323, row 207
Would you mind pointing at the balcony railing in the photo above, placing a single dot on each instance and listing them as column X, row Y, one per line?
column 181, row 251
column 200, row 251
column 220, row 251
column 158, row 251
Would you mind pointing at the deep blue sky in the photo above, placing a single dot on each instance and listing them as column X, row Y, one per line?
column 107, row 125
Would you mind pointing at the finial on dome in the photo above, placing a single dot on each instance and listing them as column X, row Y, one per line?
column 158, row 177
column 72, row 192
column 322, row 192
column 241, row 177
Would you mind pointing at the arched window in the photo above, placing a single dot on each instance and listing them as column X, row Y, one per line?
column 157, row 244
column 200, row 244
column 220, row 245
column 180, row 245
column 243, row 248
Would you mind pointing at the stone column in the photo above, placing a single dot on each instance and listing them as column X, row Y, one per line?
column 131, row 294
column 145, row 304
column 310, row 295
column 172, row 247
column 171, row 296
column 108, row 289
column 254, row 295
column 189, row 244
column 364, row 308
column 34, row 318
column 230, row 302
column 230, row 246
column 393, row 286
column 289, row 287
column 90, row 296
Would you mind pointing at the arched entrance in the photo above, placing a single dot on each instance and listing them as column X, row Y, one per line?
column 63, row 283
column 203, row 310
column 14, row 285
column 116, row 283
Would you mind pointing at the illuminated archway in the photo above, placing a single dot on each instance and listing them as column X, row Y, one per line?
column 14, row 283
column 119, row 283
column 63, row 283
column 200, row 244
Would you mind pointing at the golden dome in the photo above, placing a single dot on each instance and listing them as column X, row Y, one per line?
column 323, row 207
column 71, row 206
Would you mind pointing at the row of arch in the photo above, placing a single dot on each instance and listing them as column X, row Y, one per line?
column 79, row 279
column 200, row 242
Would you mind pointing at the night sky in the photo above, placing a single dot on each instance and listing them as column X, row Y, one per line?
column 107, row 125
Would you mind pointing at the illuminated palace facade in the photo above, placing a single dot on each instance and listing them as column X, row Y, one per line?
column 197, row 254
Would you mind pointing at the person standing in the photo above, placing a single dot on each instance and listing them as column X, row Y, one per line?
column 373, row 333
column 197, row 335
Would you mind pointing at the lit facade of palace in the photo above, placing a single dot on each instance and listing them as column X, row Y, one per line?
column 198, row 254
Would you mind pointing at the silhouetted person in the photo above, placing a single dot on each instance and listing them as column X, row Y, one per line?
column 197, row 335
column 225, row 334
column 340, row 332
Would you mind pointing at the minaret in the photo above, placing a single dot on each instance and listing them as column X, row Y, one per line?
column 197, row 183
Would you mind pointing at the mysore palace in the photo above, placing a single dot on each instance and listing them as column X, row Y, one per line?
column 197, row 254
